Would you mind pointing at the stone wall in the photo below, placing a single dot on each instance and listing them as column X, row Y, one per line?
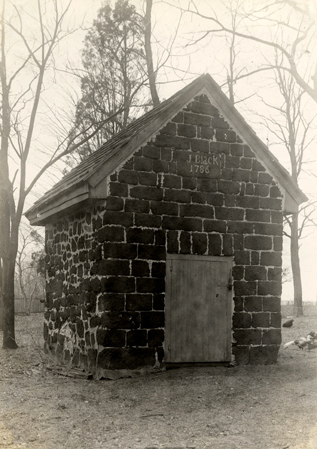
column 196, row 188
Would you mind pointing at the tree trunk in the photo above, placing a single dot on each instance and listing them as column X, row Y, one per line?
column 8, row 250
column 8, row 303
column 9, row 234
column 148, row 53
column 297, row 282
column 1, row 302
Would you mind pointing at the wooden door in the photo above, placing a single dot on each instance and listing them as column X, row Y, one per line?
column 198, row 309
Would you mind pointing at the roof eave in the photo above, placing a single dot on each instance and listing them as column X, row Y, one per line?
column 39, row 215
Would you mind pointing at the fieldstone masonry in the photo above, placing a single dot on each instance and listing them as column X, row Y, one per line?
column 195, row 188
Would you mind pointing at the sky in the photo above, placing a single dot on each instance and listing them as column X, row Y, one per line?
column 185, row 63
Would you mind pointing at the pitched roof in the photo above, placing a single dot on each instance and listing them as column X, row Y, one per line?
column 88, row 173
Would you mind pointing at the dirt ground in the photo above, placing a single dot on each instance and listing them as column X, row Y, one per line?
column 245, row 407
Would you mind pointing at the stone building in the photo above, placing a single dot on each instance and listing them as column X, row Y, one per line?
column 165, row 245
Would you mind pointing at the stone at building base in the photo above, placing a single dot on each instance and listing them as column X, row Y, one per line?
column 110, row 363
column 256, row 355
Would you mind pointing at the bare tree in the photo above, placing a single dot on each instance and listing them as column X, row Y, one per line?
column 235, row 67
column 30, row 282
column 148, row 52
column 293, row 35
column 291, row 123
column 22, row 87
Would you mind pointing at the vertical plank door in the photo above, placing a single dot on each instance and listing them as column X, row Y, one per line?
column 198, row 309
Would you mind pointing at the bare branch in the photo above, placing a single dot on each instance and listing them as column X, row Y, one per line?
column 221, row 28
column 71, row 146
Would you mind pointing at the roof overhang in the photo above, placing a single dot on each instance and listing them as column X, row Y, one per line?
column 66, row 203
column 290, row 206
